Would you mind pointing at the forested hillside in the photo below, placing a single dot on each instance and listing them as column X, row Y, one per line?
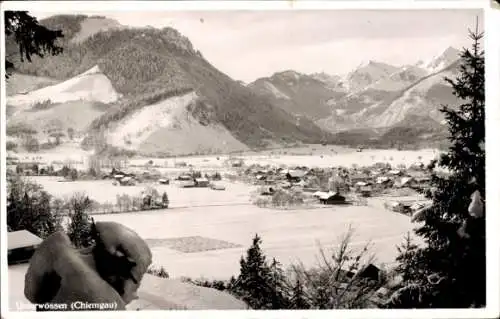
column 147, row 64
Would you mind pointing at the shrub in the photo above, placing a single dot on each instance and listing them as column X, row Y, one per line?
column 262, row 202
column 124, row 203
column 73, row 174
column 32, row 145
column 158, row 271
column 283, row 198
column 10, row 146
column 221, row 285
column 20, row 130
column 42, row 105
column 335, row 283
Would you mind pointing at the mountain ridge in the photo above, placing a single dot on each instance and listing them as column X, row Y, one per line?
column 146, row 64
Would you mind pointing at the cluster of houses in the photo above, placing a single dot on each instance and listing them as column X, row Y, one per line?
column 196, row 179
column 35, row 166
column 122, row 178
column 329, row 184
column 369, row 181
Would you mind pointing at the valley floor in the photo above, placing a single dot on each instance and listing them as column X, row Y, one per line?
column 308, row 155
column 205, row 232
column 288, row 235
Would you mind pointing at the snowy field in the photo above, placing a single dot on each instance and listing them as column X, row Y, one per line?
column 205, row 232
column 104, row 191
column 311, row 156
column 224, row 222
column 288, row 235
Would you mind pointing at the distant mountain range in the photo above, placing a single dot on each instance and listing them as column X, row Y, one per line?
column 374, row 95
column 148, row 90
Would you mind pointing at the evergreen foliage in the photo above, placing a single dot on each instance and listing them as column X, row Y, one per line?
column 31, row 38
column 28, row 208
column 449, row 271
column 260, row 284
column 298, row 299
column 80, row 226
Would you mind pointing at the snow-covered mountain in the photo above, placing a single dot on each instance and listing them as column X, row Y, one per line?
column 333, row 82
column 111, row 77
column 299, row 94
column 440, row 61
column 375, row 95
column 368, row 73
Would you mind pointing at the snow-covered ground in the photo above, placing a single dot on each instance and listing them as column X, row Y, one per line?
column 91, row 85
column 288, row 235
column 310, row 156
column 168, row 126
column 206, row 218
column 229, row 216
column 103, row 191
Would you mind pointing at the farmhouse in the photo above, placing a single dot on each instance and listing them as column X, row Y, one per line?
column 295, row 176
column 417, row 166
column 164, row 181
column 417, row 206
column 236, row 163
column 21, row 246
column 407, row 182
column 186, row 181
column 45, row 169
column 180, row 164
column 28, row 168
column 201, row 182
column 127, row 181
column 359, row 185
column 399, row 207
column 359, row 177
column 185, row 177
column 395, row 172
column 423, row 182
column 370, row 271
column 331, row 198
column 384, row 182
column 381, row 165
column 365, row 189
column 395, row 206
column 260, row 177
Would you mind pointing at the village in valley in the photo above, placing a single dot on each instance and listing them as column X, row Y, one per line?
column 275, row 186
column 294, row 189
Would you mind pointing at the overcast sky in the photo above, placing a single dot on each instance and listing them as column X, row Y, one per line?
column 250, row 44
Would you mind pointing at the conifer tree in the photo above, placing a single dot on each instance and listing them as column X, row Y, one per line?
column 80, row 226
column 278, row 289
column 449, row 271
column 260, row 285
column 28, row 208
column 298, row 299
column 31, row 38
